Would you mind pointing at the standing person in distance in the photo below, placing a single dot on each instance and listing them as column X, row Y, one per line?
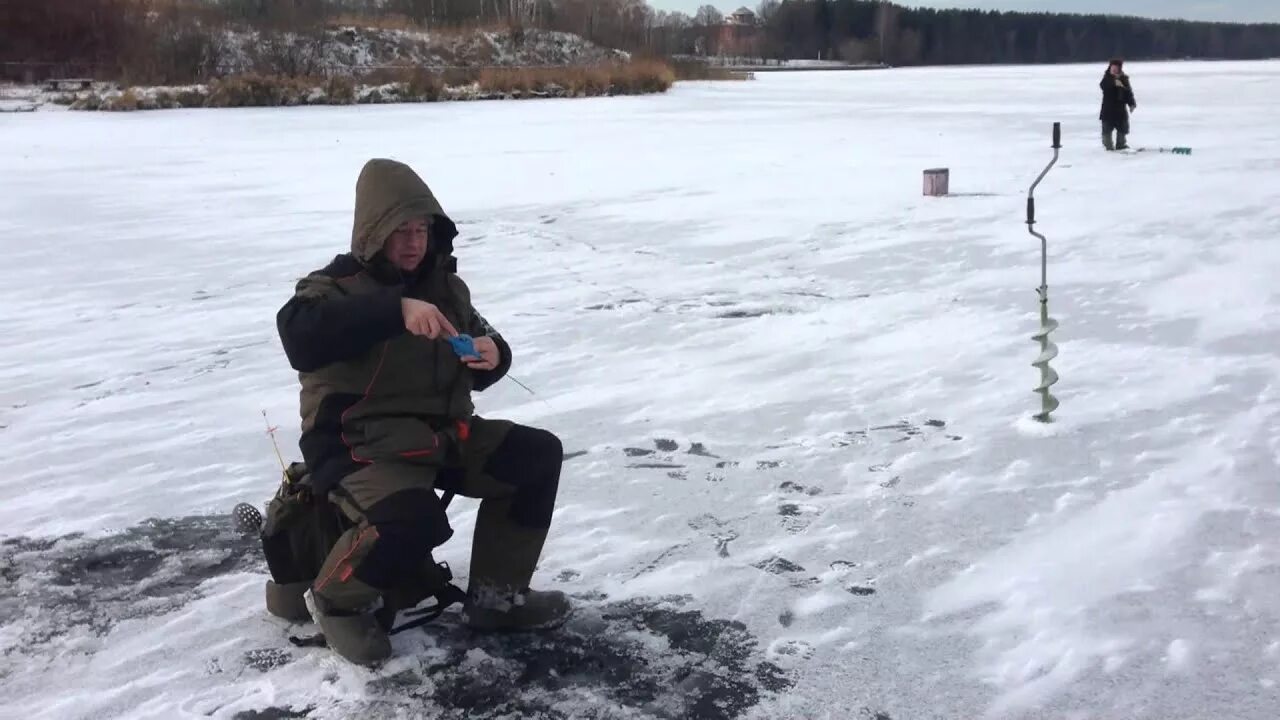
column 1118, row 101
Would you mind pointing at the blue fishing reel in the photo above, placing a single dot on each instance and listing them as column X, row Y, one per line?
column 464, row 346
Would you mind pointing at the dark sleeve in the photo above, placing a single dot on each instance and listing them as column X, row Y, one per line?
column 320, row 325
column 1133, row 99
column 477, row 328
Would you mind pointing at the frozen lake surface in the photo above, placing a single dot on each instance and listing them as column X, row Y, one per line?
column 803, row 483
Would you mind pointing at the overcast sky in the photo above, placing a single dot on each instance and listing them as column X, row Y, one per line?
column 1221, row 10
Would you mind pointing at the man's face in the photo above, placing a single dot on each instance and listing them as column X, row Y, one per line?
column 408, row 245
column 1115, row 69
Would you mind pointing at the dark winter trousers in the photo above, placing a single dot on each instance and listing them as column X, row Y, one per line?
column 398, row 519
column 1121, row 133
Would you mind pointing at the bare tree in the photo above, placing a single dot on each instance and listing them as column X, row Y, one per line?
column 707, row 16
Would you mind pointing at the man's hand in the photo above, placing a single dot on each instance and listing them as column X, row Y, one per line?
column 489, row 358
column 423, row 318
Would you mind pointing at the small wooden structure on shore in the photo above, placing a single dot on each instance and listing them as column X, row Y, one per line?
column 56, row 84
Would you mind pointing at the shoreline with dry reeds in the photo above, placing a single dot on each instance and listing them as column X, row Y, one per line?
column 388, row 86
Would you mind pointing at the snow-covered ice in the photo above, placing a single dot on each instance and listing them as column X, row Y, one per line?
column 795, row 392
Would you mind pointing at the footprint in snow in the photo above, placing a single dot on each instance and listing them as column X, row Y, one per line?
column 895, row 433
column 666, row 455
column 789, row 653
column 796, row 518
column 793, row 487
column 886, row 484
column 844, row 568
column 715, row 529
column 784, row 568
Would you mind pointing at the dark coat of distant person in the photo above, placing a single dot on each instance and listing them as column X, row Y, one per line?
column 1117, row 97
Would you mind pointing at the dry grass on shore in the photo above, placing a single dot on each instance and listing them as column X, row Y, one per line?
column 395, row 86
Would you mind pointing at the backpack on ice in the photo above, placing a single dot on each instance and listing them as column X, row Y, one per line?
column 297, row 532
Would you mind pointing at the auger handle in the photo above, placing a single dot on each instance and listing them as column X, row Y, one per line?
column 1031, row 201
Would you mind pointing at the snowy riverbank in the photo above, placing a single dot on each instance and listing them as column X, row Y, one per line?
column 425, row 85
column 352, row 65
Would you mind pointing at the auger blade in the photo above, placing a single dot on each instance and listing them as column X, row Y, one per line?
column 1046, row 328
column 1047, row 379
column 1048, row 352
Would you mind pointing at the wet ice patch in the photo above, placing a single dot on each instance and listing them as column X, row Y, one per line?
column 172, row 609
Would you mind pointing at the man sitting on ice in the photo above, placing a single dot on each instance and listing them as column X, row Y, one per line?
column 387, row 417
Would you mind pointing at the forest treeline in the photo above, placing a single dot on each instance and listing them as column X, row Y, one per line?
column 170, row 37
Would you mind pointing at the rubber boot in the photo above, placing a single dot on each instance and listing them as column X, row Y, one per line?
column 356, row 635
column 525, row 611
column 503, row 558
column 288, row 601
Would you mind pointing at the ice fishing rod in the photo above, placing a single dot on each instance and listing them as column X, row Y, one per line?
column 464, row 346
column 1178, row 150
column 1048, row 351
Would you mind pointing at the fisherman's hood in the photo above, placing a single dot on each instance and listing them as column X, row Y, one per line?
column 388, row 193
